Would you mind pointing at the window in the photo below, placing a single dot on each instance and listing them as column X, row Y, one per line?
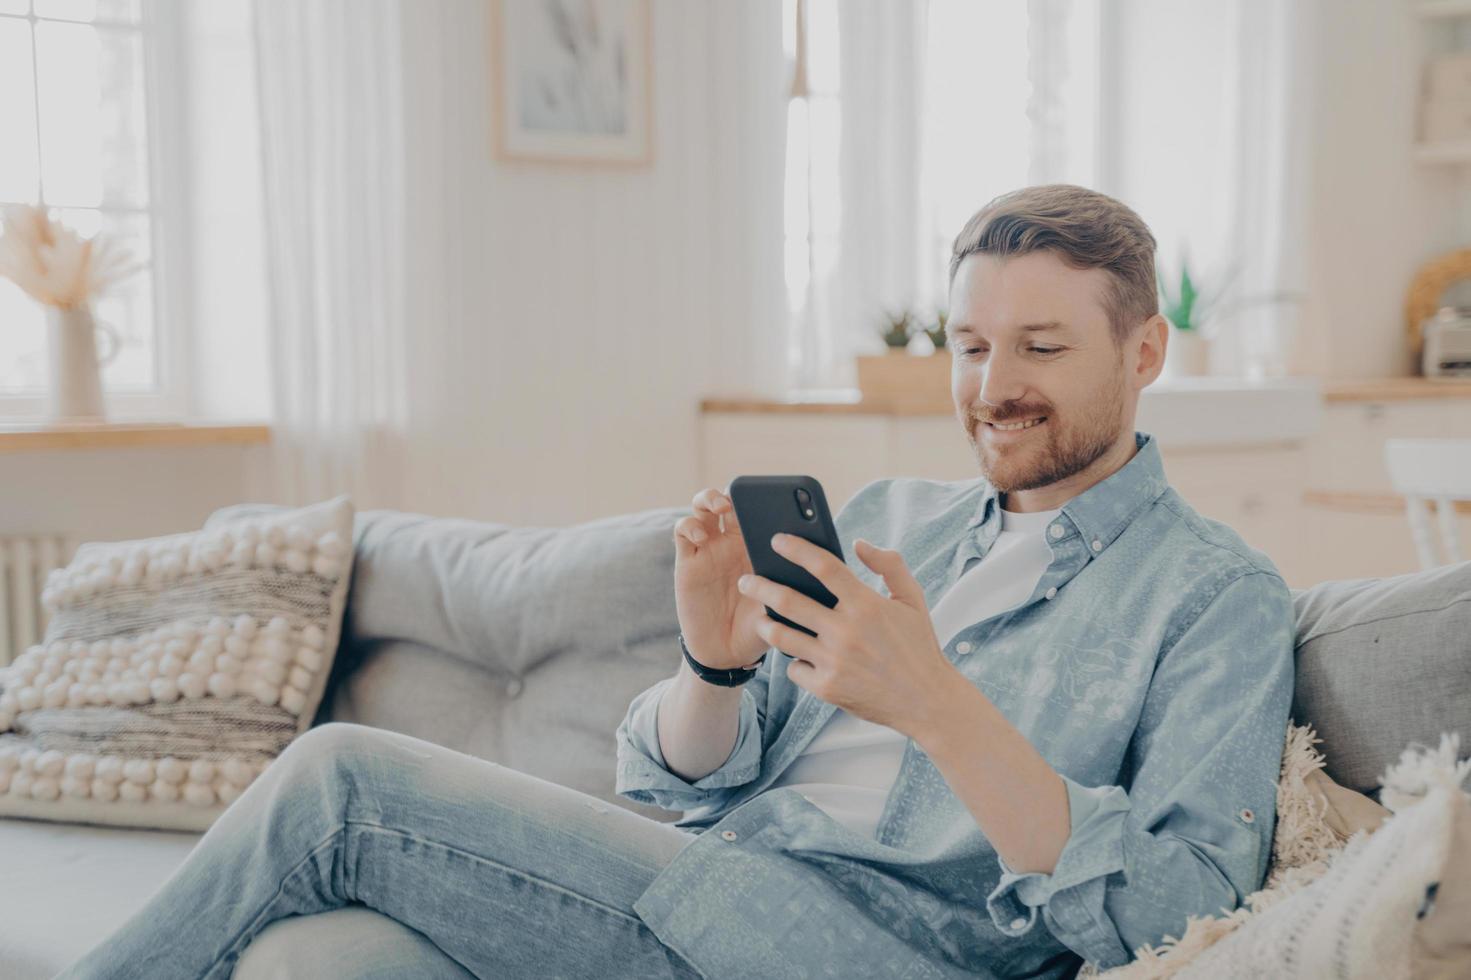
column 812, row 203
column 878, row 184
column 83, row 84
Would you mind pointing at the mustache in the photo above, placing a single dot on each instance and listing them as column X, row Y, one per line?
column 1012, row 415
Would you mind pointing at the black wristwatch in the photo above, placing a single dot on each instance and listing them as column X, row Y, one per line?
column 720, row 676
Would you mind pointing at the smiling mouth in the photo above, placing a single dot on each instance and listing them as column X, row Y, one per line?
column 1017, row 426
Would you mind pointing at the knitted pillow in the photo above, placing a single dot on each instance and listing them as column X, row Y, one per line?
column 174, row 669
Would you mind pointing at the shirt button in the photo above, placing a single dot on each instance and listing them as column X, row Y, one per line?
column 727, row 835
column 1018, row 923
column 1056, row 531
column 1051, row 592
column 1248, row 816
column 1097, row 545
column 962, row 647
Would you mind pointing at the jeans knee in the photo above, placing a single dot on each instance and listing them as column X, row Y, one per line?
column 332, row 745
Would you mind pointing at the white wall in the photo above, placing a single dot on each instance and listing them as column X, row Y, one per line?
column 1376, row 215
column 574, row 317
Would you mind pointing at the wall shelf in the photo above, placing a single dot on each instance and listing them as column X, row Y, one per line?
column 40, row 436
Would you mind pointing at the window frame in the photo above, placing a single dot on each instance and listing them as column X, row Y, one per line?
column 165, row 72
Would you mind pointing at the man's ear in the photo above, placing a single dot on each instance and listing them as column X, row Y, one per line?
column 1149, row 350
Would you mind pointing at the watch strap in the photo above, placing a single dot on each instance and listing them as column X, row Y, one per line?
column 719, row 676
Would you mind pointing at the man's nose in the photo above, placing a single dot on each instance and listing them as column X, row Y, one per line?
column 1003, row 379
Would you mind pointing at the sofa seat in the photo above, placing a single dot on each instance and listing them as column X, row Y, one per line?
column 65, row 887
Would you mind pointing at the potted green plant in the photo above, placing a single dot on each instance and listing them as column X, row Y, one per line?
column 903, row 384
column 1187, row 308
column 936, row 331
column 898, row 330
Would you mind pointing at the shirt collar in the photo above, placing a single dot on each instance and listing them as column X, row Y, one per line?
column 1101, row 512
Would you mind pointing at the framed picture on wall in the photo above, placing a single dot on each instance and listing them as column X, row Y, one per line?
column 572, row 81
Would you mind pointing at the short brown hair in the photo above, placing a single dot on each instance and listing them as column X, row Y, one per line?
column 1086, row 229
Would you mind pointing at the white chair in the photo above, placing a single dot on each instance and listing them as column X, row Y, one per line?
column 1425, row 470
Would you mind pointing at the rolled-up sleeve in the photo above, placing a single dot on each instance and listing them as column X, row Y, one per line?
column 1191, row 832
column 644, row 777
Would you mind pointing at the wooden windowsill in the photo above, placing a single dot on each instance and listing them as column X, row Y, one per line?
column 23, row 437
column 847, row 401
column 1395, row 389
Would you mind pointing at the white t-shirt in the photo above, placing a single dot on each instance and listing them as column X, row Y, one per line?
column 850, row 766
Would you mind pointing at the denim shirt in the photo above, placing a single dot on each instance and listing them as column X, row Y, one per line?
column 1152, row 667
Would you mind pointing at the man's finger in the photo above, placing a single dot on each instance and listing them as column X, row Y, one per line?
column 823, row 565
column 793, row 643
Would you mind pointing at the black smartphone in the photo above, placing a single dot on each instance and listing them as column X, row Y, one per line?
column 796, row 505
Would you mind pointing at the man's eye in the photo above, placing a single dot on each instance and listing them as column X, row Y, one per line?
column 1035, row 350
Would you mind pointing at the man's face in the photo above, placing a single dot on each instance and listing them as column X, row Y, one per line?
column 1067, row 371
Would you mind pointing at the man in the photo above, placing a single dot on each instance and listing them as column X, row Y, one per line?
column 1045, row 719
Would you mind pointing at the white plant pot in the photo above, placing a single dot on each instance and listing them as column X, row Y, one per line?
column 1187, row 354
column 75, row 391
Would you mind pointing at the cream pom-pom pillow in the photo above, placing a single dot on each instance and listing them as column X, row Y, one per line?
column 174, row 670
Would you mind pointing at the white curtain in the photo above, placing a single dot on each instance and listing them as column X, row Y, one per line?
column 330, row 93
column 944, row 104
column 1272, row 62
column 877, row 261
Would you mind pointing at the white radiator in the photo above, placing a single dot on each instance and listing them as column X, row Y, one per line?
column 25, row 561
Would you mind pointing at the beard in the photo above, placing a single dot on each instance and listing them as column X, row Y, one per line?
column 1062, row 449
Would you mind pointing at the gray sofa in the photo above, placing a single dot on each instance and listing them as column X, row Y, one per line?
column 525, row 646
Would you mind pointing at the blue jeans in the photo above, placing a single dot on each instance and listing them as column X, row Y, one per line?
column 493, row 872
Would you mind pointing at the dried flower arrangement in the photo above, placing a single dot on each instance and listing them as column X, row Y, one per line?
column 55, row 265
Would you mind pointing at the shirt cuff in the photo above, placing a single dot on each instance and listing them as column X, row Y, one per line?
column 1094, row 848
column 644, row 777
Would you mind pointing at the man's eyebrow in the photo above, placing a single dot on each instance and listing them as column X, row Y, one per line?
column 1025, row 328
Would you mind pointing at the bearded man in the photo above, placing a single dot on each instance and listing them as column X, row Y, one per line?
column 1044, row 721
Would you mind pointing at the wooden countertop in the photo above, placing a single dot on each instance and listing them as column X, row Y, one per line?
column 833, row 401
column 38, row 436
column 847, row 401
column 1356, row 502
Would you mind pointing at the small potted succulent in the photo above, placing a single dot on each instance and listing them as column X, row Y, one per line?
column 898, row 330
column 904, row 384
column 936, row 331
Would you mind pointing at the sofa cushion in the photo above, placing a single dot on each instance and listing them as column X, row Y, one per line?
column 521, row 645
column 68, row 886
column 174, row 669
column 1383, row 663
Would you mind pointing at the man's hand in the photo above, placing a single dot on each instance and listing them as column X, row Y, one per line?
column 875, row 656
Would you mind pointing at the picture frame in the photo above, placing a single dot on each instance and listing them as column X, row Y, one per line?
column 572, row 81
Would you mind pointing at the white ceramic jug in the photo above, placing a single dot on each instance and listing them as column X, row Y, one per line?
column 75, row 393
